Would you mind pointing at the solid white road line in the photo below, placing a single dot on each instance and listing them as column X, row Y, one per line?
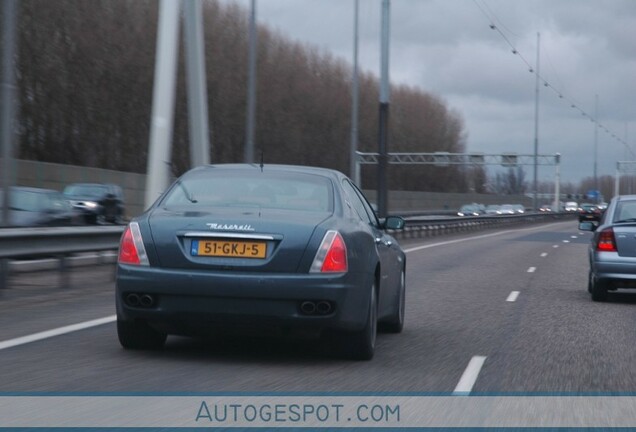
column 56, row 332
column 100, row 321
column 428, row 246
column 469, row 377
column 513, row 296
column 532, row 269
column 544, row 254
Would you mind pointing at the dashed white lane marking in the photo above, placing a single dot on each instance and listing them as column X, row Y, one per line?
column 513, row 296
column 532, row 269
column 100, row 321
column 544, row 254
column 574, row 237
column 56, row 332
column 566, row 241
column 469, row 377
column 555, row 246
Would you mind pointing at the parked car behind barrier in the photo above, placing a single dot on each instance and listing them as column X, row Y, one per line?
column 36, row 207
column 98, row 203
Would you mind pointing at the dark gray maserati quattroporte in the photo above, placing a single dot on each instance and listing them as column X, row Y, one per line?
column 274, row 250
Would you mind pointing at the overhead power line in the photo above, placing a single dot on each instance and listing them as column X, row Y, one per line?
column 491, row 19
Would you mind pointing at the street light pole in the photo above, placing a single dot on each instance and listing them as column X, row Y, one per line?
column 596, row 146
column 197, row 88
column 384, row 112
column 251, row 88
column 536, row 127
column 9, row 12
column 353, row 171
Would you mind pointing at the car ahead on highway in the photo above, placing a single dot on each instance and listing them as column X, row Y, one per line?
column 507, row 209
column 275, row 250
column 612, row 252
column 470, row 210
column 571, row 206
column 36, row 207
column 99, row 203
column 589, row 212
column 519, row 208
column 493, row 209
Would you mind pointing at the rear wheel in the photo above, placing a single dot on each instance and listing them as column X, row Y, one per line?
column 395, row 323
column 360, row 345
column 139, row 335
column 597, row 289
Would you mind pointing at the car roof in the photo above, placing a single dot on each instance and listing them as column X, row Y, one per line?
column 91, row 184
column 32, row 189
column 327, row 172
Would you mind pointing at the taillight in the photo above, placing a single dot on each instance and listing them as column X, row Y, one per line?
column 331, row 256
column 606, row 241
column 131, row 247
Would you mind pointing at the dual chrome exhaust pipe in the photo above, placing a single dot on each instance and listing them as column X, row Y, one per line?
column 139, row 300
column 307, row 307
column 321, row 307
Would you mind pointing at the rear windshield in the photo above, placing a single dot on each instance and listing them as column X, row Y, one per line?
column 277, row 191
column 33, row 201
column 27, row 201
column 86, row 190
column 625, row 211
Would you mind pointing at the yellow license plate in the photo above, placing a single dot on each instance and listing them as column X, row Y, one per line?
column 229, row 248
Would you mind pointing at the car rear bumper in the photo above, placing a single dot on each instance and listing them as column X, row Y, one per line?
column 198, row 303
column 618, row 272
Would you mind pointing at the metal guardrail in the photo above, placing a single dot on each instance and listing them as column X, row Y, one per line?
column 36, row 242
column 62, row 243
column 418, row 227
column 54, row 242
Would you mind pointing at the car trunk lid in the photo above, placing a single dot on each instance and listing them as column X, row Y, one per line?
column 245, row 239
column 625, row 237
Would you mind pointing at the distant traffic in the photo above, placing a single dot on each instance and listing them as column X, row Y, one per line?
column 79, row 204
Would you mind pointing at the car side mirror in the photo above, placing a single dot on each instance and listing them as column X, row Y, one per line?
column 587, row 226
column 394, row 223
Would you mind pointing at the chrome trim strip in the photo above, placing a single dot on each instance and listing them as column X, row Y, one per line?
column 229, row 235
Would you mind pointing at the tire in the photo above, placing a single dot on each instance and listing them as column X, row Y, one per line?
column 360, row 345
column 119, row 220
column 597, row 289
column 395, row 324
column 139, row 335
column 91, row 219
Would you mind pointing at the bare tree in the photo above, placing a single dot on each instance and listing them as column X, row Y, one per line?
column 85, row 73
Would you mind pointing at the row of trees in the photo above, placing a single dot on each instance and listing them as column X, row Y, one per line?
column 85, row 81
column 85, row 75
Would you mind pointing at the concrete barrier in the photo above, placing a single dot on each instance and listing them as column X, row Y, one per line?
column 57, row 176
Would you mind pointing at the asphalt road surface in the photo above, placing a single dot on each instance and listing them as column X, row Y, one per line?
column 496, row 311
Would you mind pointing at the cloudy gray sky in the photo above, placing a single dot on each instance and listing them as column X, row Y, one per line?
column 446, row 47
